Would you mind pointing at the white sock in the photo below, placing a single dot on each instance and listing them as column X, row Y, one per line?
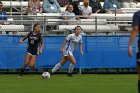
column 57, row 66
column 71, row 67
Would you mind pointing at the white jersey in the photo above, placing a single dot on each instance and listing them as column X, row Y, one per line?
column 72, row 41
column 85, row 10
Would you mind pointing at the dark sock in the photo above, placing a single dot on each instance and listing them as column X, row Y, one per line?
column 22, row 71
column 138, row 86
column 33, row 69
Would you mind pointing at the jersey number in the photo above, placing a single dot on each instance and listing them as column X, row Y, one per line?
column 32, row 41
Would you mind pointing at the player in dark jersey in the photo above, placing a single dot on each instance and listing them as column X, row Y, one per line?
column 135, row 31
column 35, row 46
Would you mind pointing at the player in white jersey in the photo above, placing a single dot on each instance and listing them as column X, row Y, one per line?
column 67, row 48
column 71, row 44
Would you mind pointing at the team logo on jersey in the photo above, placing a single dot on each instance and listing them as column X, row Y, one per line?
column 34, row 38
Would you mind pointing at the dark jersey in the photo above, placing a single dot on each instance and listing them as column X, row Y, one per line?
column 136, row 22
column 34, row 41
column 96, row 5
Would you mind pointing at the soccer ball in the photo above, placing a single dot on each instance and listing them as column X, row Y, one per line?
column 46, row 75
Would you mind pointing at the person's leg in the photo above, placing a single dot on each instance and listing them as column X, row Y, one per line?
column 26, row 62
column 61, row 63
column 71, row 66
column 138, row 69
column 32, row 62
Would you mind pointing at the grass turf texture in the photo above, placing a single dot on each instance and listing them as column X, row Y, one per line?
column 87, row 83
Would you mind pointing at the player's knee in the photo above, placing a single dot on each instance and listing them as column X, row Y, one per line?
column 62, row 63
column 31, row 66
column 25, row 64
column 73, row 63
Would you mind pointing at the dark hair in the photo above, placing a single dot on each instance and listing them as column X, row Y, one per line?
column 0, row 2
column 77, row 27
column 76, row 9
column 68, row 6
column 35, row 25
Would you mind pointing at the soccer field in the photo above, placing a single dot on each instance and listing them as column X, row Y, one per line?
column 86, row 83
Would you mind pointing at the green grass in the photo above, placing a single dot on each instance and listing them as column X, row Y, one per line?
column 87, row 83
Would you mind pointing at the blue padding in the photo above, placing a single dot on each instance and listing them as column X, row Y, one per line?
column 99, row 52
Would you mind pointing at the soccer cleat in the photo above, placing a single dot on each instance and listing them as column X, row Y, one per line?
column 69, row 74
column 20, row 75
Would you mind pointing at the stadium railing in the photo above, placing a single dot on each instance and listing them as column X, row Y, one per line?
column 53, row 23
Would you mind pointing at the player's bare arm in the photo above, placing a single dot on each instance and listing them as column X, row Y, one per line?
column 132, row 38
column 63, row 45
column 25, row 37
column 42, row 45
column 81, row 48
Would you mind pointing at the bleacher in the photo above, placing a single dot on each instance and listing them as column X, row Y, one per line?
column 101, row 23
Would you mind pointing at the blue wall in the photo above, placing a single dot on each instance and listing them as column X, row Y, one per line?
column 100, row 52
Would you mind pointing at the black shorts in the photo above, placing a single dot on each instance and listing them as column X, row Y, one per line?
column 32, row 52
